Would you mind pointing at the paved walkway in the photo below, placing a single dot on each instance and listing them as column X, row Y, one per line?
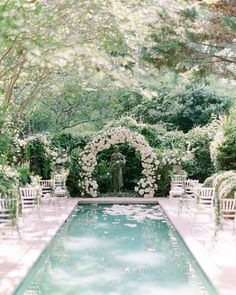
column 215, row 252
column 19, row 251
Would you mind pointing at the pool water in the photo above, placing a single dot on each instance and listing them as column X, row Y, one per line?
column 116, row 249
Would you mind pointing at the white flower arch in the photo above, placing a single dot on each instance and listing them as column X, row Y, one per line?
column 146, row 186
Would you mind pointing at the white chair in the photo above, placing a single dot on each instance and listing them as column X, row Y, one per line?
column 204, row 203
column 9, row 209
column 177, row 195
column 178, row 177
column 46, row 186
column 59, row 185
column 228, row 210
column 190, row 186
column 29, row 197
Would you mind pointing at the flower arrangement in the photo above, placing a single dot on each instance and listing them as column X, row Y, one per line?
column 176, row 156
column 146, row 186
column 9, row 182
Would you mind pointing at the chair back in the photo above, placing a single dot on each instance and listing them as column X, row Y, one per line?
column 59, row 181
column 228, row 208
column 46, row 186
column 45, row 183
column 8, row 210
column 29, row 197
column 178, row 177
column 206, row 196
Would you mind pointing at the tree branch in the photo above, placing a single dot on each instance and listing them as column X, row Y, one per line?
column 78, row 123
column 28, row 99
column 5, row 54
column 13, row 79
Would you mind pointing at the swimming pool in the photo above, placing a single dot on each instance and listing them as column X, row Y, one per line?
column 116, row 249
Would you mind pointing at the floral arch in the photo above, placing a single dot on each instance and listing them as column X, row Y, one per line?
column 146, row 186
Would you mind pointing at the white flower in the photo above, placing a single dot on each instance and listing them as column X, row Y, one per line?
column 141, row 192
column 114, row 136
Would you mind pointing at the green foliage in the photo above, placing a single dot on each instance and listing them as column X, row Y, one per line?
column 103, row 174
column 9, row 182
column 225, row 158
column 226, row 154
column 225, row 184
column 74, row 174
column 40, row 162
column 164, row 179
column 227, row 188
column 24, row 175
column 229, row 22
column 67, row 142
column 209, row 181
column 221, row 177
column 200, row 166
column 180, row 45
column 131, row 171
column 192, row 107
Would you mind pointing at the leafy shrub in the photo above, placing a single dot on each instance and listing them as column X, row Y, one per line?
column 74, row 174
column 189, row 108
column 227, row 188
column 40, row 162
column 221, row 177
column 24, row 175
column 103, row 175
column 226, row 153
column 164, row 179
column 9, row 182
column 68, row 142
column 223, row 147
column 200, row 166
column 209, row 181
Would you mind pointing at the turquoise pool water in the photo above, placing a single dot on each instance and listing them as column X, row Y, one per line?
column 116, row 249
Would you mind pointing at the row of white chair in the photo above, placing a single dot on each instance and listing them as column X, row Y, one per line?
column 30, row 197
column 55, row 186
column 200, row 200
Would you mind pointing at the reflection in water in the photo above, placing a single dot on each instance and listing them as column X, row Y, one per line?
column 119, row 249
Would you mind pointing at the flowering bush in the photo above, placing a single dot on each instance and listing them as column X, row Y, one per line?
column 199, row 139
column 223, row 147
column 221, row 177
column 44, row 158
column 228, row 187
column 9, row 182
column 37, row 154
column 146, row 186
column 215, row 144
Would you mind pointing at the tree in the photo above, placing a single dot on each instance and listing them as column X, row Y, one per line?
column 192, row 106
column 40, row 39
column 197, row 37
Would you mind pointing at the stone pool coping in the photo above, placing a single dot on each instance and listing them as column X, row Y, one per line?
column 19, row 251
column 214, row 252
column 117, row 200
